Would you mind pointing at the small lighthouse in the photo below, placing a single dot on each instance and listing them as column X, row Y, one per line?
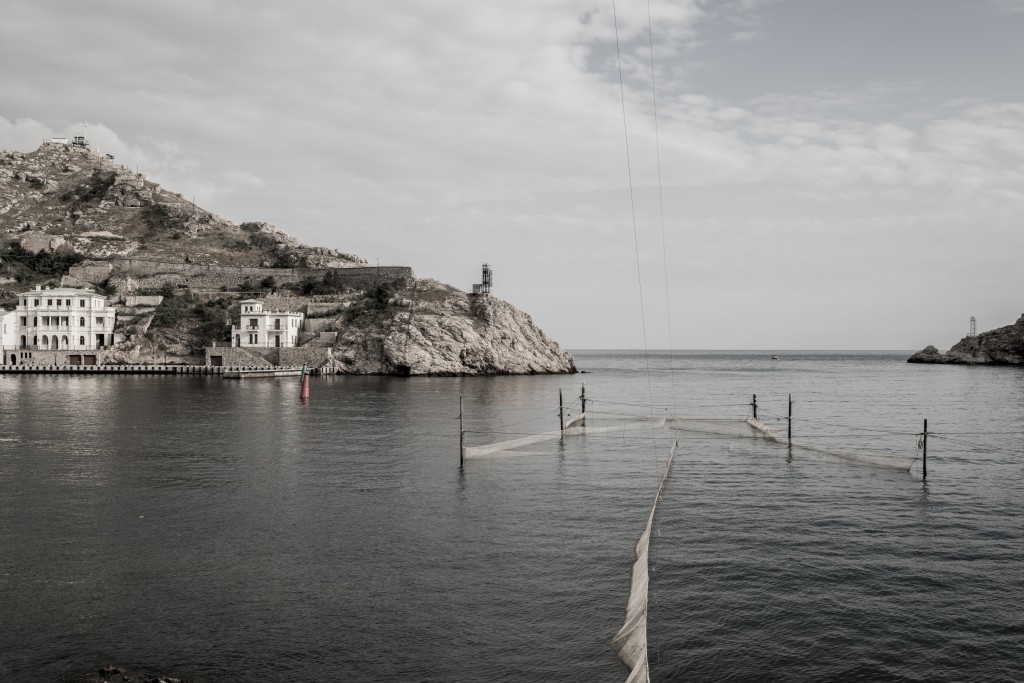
column 485, row 285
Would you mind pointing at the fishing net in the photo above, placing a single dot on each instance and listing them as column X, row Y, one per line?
column 631, row 640
column 742, row 434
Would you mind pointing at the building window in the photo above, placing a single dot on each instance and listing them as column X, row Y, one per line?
column 37, row 302
column 67, row 302
column 49, row 302
column 81, row 341
column 81, row 322
column 81, row 303
column 64, row 341
column 58, row 302
column 64, row 320
column 46, row 340
column 99, row 322
column 24, row 321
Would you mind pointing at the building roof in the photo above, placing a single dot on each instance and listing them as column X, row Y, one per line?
column 61, row 291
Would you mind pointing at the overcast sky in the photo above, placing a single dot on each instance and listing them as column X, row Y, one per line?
column 834, row 174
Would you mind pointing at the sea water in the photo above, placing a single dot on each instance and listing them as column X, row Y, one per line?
column 224, row 530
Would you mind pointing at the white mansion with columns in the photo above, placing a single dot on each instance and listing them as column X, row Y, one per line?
column 56, row 319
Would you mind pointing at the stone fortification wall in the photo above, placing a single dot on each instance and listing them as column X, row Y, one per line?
column 138, row 273
column 213, row 276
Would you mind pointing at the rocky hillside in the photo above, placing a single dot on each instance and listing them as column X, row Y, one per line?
column 1002, row 346
column 71, row 217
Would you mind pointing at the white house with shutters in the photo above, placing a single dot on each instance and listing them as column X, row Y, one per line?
column 265, row 329
column 57, row 319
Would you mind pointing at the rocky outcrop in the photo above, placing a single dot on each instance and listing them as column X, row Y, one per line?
column 1002, row 346
column 430, row 328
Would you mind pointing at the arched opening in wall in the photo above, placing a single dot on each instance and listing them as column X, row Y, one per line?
column 238, row 340
column 64, row 341
column 24, row 341
column 81, row 322
column 81, row 341
column 53, row 343
column 46, row 341
column 14, row 359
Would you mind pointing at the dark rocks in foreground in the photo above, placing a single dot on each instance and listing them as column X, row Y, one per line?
column 111, row 674
column 1002, row 346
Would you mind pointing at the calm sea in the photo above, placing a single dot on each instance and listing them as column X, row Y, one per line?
column 220, row 530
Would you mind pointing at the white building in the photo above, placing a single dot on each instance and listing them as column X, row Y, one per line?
column 266, row 329
column 57, row 319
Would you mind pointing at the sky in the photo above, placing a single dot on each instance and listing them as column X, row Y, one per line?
column 773, row 174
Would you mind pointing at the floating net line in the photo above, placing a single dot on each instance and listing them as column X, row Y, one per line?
column 739, row 428
column 631, row 640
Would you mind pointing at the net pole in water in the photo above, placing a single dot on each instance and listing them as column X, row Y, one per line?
column 583, row 403
column 789, row 422
column 462, row 437
column 924, row 454
column 754, row 404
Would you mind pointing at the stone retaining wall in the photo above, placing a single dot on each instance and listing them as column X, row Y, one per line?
column 237, row 356
column 317, row 325
column 269, row 357
column 143, row 300
column 48, row 357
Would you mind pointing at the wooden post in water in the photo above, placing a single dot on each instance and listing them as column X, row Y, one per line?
column 561, row 412
column 462, row 436
column 754, row 404
column 924, row 455
column 583, row 403
column 789, row 422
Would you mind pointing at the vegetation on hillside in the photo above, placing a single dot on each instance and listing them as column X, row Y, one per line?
column 208, row 321
column 25, row 266
column 92, row 190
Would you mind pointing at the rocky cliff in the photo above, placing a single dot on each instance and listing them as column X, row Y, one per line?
column 429, row 328
column 1002, row 346
column 71, row 217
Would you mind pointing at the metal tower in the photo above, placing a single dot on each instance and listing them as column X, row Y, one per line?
column 485, row 286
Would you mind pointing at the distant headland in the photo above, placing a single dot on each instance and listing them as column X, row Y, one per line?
column 1001, row 346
